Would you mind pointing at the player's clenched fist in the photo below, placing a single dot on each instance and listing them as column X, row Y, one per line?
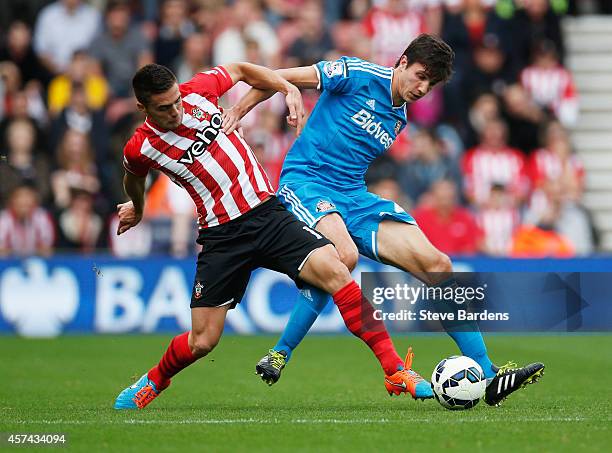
column 128, row 217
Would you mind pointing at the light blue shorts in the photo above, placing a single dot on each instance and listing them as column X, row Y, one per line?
column 360, row 210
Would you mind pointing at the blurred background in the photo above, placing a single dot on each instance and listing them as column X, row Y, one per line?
column 512, row 158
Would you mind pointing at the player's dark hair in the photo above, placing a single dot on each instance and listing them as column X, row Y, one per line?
column 152, row 79
column 434, row 54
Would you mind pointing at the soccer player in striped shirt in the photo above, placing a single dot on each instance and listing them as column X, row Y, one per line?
column 361, row 111
column 242, row 224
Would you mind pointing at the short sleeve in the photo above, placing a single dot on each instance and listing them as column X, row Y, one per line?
column 334, row 76
column 215, row 81
column 133, row 161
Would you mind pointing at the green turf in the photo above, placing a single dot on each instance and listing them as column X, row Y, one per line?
column 331, row 397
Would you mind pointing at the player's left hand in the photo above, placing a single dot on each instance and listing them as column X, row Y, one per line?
column 231, row 121
column 296, row 109
column 128, row 217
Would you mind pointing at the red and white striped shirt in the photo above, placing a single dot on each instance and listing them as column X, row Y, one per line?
column 553, row 88
column 498, row 225
column 26, row 237
column 391, row 33
column 483, row 168
column 219, row 171
column 546, row 165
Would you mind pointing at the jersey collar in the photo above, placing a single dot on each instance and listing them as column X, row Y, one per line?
column 401, row 106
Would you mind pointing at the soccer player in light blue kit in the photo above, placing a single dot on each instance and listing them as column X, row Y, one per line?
column 361, row 111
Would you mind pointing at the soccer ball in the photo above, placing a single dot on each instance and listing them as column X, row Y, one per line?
column 458, row 383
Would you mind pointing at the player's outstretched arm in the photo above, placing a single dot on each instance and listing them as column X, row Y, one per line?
column 302, row 77
column 130, row 213
column 268, row 80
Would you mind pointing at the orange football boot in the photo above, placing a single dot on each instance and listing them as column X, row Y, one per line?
column 408, row 381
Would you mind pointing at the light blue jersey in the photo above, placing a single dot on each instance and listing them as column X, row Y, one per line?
column 353, row 122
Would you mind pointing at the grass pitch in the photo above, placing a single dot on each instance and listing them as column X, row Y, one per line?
column 331, row 397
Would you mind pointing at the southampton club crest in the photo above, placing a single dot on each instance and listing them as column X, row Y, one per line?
column 197, row 113
column 324, row 205
column 398, row 125
column 197, row 289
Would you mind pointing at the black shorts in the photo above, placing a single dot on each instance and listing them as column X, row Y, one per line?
column 267, row 236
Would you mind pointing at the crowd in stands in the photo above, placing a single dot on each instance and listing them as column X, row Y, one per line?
column 486, row 165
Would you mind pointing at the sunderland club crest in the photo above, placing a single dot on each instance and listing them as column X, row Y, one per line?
column 324, row 205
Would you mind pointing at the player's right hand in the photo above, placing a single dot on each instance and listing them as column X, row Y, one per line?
column 296, row 109
column 128, row 217
column 231, row 121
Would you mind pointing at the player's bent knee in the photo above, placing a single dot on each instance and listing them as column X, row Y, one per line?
column 201, row 345
column 349, row 256
column 334, row 275
column 440, row 264
column 325, row 270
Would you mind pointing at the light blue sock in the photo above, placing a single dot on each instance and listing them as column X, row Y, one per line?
column 468, row 337
column 310, row 304
column 472, row 345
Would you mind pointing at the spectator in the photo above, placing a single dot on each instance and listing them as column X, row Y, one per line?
column 18, row 50
column 391, row 27
column 540, row 242
column 558, row 178
column 25, row 228
column 11, row 93
column 314, row 40
column 428, row 163
column 10, row 83
column 79, row 226
column 207, row 17
column 195, row 57
column 555, row 161
column 80, row 117
column 534, row 23
column 245, row 22
column 80, row 72
column 569, row 218
column 550, row 85
column 498, row 219
column 23, row 165
column 175, row 26
column 490, row 71
column 494, row 162
column 484, row 109
column 449, row 227
column 468, row 25
column 23, row 109
column 542, row 239
column 523, row 116
column 76, row 170
column 432, row 11
column 62, row 28
column 120, row 48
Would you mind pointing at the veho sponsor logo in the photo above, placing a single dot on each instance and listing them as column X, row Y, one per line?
column 205, row 137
